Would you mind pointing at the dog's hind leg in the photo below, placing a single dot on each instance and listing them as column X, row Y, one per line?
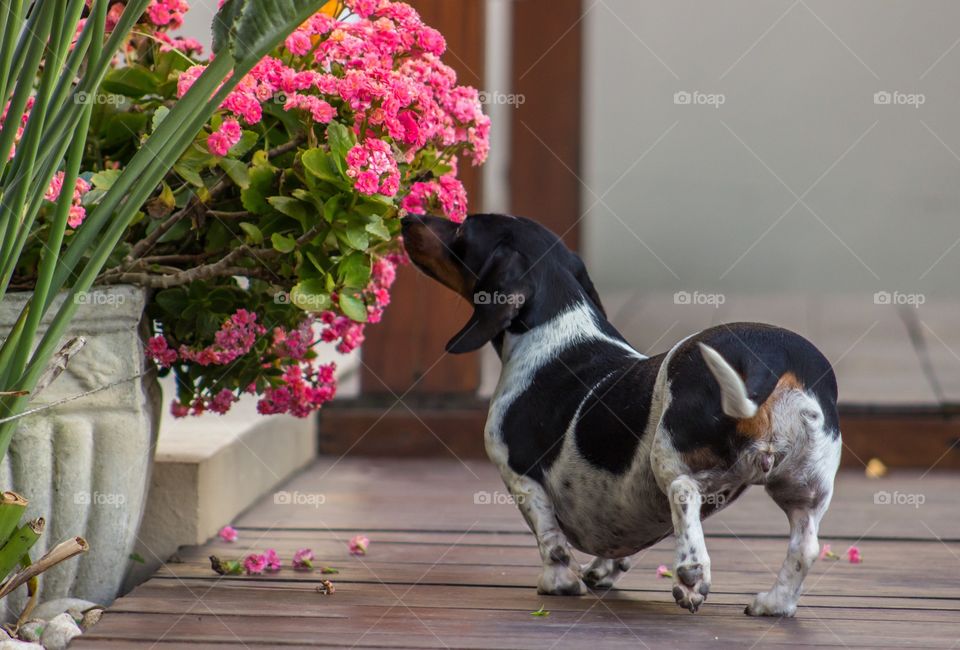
column 691, row 574
column 804, row 495
column 602, row 573
column 558, row 576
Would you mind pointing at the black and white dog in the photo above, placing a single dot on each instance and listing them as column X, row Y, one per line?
column 608, row 451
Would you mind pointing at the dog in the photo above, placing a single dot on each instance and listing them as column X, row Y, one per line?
column 608, row 451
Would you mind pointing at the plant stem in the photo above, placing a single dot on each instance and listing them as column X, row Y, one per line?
column 19, row 543
column 12, row 506
column 59, row 553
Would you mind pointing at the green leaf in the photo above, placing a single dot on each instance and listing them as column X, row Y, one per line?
column 378, row 229
column 354, row 270
column 353, row 308
column 340, row 140
column 131, row 81
column 236, row 170
column 188, row 173
column 291, row 207
column 540, row 612
column 136, row 557
column 158, row 116
column 283, row 243
column 310, row 295
column 320, row 163
column 329, row 570
column 331, row 208
column 357, row 237
column 172, row 301
column 247, row 140
column 104, row 180
column 254, row 233
column 254, row 195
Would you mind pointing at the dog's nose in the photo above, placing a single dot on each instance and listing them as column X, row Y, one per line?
column 409, row 221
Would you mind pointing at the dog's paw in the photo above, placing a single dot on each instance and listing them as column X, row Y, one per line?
column 691, row 586
column 602, row 573
column 560, row 580
column 769, row 603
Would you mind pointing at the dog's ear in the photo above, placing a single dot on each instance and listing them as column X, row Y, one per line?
column 579, row 271
column 501, row 290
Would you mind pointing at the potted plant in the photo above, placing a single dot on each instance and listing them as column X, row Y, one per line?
column 274, row 226
column 56, row 238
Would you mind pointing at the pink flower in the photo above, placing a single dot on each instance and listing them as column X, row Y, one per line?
column 826, row 553
column 358, row 545
column 664, row 572
column 228, row 534
column 255, row 564
column 303, row 559
column 160, row 352
column 179, row 410
column 853, row 554
column 298, row 43
column 219, row 142
column 272, row 560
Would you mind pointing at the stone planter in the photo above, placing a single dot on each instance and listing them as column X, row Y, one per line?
column 85, row 465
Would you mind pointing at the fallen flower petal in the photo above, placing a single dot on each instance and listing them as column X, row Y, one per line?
column 664, row 572
column 228, row 534
column 826, row 553
column 303, row 559
column 358, row 545
column 272, row 559
column 853, row 554
column 255, row 564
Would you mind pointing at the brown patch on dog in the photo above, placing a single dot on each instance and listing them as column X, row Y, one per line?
column 700, row 459
column 427, row 250
column 759, row 425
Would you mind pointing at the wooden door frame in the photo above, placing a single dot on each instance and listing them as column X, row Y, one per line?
column 416, row 400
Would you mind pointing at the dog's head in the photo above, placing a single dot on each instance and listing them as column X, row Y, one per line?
column 515, row 273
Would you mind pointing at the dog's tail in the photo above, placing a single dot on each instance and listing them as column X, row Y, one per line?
column 733, row 391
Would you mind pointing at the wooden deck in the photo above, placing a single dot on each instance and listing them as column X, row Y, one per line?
column 445, row 569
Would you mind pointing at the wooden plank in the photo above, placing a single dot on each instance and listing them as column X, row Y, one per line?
column 268, row 595
column 401, row 626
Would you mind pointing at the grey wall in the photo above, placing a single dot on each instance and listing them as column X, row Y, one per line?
column 675, row 194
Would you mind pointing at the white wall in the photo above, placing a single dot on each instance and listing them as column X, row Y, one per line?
column 799, row 80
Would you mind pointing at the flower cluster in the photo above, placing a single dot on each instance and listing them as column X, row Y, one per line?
column 380, row 74
column 77, row 212
column 300, row 179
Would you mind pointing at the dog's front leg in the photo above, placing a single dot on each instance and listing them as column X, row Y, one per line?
column 558, row 576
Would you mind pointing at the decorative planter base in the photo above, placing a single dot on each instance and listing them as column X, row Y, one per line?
column 85, row 465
